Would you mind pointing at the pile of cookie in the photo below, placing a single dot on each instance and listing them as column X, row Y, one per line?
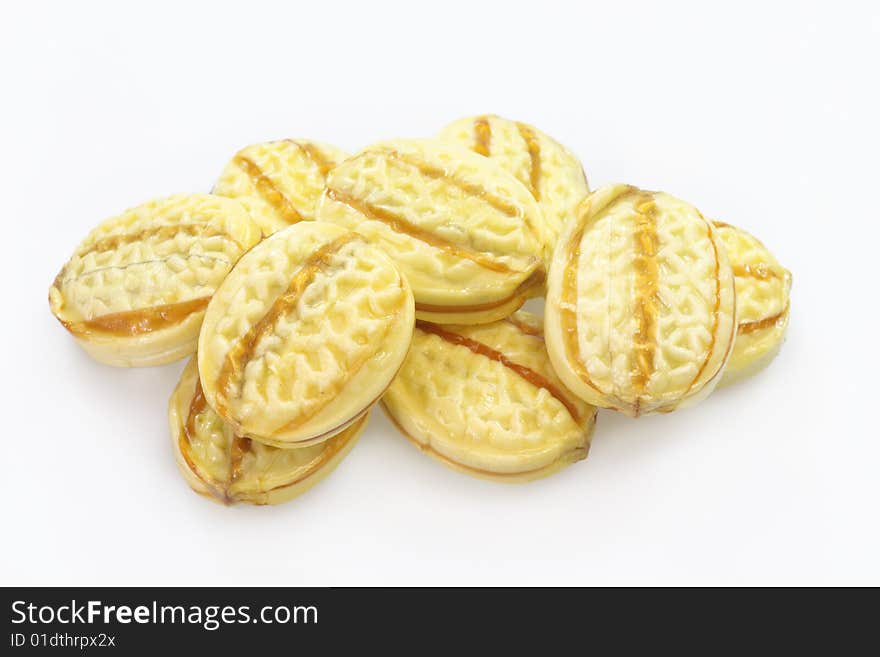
column 311, row 285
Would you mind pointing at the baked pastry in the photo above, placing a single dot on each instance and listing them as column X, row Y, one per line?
column 550, row 171
column 484, row 400
column 282, row 178
column 227, row 468
column 304, row 335
column 468, row 236
column 762, row 303
column 135, row 290
column 640, row 312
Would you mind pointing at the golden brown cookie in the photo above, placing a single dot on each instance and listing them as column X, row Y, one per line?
column 762, row 303
column 549, row 170
column 640, row 312
column 228, row 468
column 135, row 290
column 281, row 180
column 304, row 335
column 468, row 235
column 484, row 400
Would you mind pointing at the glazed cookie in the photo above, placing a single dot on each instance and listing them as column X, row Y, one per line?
column 550, row 171
column 304, row 335
column 468, row 236
column 228, row 468
column 282, row 178
column 762, row 304
column 641, row 303
column 135, row 290
column 484, row 400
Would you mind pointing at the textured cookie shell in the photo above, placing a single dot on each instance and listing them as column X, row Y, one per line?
column 484, row 400
column 135, row 290
column 549, row 170
column 762, row 303
column 640, row 303
column 468, row 235
column 304, row 335
column 281, row 180
column 228, row 468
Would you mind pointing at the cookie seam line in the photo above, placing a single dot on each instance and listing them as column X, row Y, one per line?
column 716, row 323
column 58, row 283
column 533, row 147
column 404, row 226
column 315, row 156
column 474, row 190
column 157, row 318
column 234, row 364
column 646, row 242
column 482, row 136
column 535, row 280
column 527, row 374
column 746, row 328
column 268, row 190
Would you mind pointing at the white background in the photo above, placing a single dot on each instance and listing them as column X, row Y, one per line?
column 765, row 116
